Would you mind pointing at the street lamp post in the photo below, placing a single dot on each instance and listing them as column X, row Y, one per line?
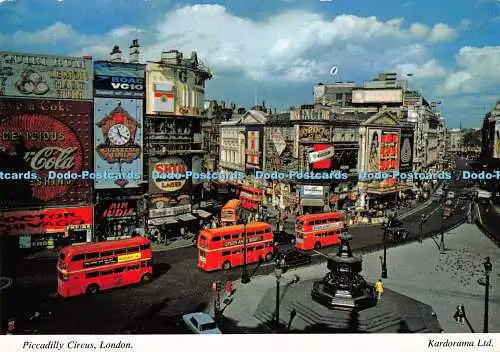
column 384, row 263
column 422, row 220
column 487, row 271
column 441, row 243
column 277, row 272
column 245, row 277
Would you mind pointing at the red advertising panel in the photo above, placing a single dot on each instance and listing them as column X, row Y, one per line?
column 29, row 222
column 40, row 136
column 383, row 150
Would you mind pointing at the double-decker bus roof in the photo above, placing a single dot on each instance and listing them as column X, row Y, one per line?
column 233, row 229
column 233, row 203
column 252, row 189
column 106, row 245
column 313, row 217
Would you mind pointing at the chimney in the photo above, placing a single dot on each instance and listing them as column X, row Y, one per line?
column 116, row 54
column 194, row 58
column 134, row 52
column 263, row 103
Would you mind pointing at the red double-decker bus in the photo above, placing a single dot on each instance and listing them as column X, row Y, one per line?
column 251, row 198
column 222, row 248
column 315, row 231
column 91, row 267
column 231, row 213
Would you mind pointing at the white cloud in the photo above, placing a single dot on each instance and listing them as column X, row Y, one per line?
column 125, row 31
column 57, row 32
column 2, row 1
column 442, row 32
column 479, row 71
column 419, row 30
column 428, row 70
column 464, row 24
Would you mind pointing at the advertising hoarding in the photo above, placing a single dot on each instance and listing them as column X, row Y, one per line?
column 496, row 142
column 169, row 205
column 406, row 151
column 278, row 149
column 117, row 218
column 118, row 133
column 34, row 76
column 312, row 192
column 382, row 150
column 167, row 175
column 29, row 222
column 254, row 148
column 119, row 79
column 310, row 115
column 363, row 96
column 314, row 134
column 174, row 91
column 41, row 136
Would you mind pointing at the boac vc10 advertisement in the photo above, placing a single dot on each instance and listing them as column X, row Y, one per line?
column 38, row 136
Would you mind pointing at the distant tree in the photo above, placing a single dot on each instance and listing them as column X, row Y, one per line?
column 472, row 138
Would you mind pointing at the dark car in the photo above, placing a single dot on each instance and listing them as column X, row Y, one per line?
column 293, row 258
column 283, row 237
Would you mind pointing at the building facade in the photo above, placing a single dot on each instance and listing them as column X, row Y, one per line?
column 175, row 88
column 490, row 151
column 45, row 127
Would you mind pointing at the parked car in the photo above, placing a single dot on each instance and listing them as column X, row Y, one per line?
column 200, row 323
column 283, row 237
column 293, row 258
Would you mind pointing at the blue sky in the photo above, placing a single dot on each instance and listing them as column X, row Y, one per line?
column 282, row 48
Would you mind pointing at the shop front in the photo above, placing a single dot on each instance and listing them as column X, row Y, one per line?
column 169, row 222
column 47, row 228
column 116, row 219
column 312, row 199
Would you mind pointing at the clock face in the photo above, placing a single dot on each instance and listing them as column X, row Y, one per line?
column 119, row 134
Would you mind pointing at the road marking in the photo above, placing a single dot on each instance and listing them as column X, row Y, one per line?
column 319, row 253
column 479, row 213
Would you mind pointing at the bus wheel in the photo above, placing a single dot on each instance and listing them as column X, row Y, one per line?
column 92, row 289
column 226, row 265
column 269, row 257
column 146, row 278
column 317, row 245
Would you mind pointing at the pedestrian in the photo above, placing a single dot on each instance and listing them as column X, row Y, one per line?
column 460, row 314
column 379, row 289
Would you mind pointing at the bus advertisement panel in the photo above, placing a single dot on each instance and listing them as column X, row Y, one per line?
column 223, row 248
column 92, row 267
column 316, row 231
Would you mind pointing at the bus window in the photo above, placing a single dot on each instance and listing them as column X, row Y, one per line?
column 107, row 254
column 78, row 257
column 132, row 249
column 215, row 239
column 118, row 270
column 92, row 255
column 145, row 247
column 106, row 272
column 227, row 237
column 235, row 236
column 133, row 267
column 259, row 247
column 120, row 251
column 225, row 253
column 91, row 275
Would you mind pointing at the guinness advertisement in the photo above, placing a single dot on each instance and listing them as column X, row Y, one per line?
column 117, row 219
column 406, row 151
column 119, row 79
column 31, row 222
column 168, row 175
column 40, row 136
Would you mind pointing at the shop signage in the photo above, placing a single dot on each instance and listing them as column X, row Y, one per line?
column 312, row 192
column 168, row 174
column 119, row 209
column 314, row 134
column 278, row 141
column 119, row 79
column 309, row 115
column 42, row 221
column 45, row 77
column 51, row 136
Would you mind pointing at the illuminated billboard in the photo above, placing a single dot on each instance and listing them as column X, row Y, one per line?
column 34, row 76
column 382, row 152
column 42, row 136
column 118, row 135
column 167, row 175
column 119, row 79
column 254, row 147
column 406, row 151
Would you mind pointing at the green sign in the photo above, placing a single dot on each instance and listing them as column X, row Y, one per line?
column 45, row 77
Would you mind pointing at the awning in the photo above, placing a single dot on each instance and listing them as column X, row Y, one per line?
column 164, row 220
column 312, row 202
column 202, row 213
column 186, row 217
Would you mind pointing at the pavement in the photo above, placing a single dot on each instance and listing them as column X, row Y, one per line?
column 418, row 271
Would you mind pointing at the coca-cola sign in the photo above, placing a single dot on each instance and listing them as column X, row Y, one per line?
column 42, row 136
column 41, row 221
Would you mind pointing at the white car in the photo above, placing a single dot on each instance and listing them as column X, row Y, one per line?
column 200, row 323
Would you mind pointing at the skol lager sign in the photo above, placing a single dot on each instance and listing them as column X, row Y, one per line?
column 169, row 175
